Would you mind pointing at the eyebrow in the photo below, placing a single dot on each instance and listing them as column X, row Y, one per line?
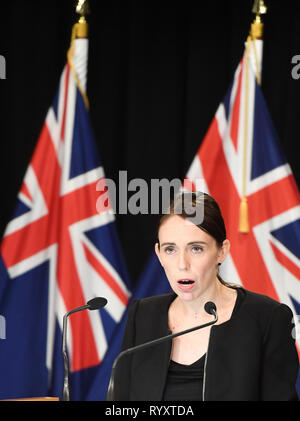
column 189, row 244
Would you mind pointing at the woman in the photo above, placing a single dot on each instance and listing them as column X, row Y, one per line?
column 249, row 354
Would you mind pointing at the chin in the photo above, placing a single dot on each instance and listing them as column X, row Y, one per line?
column 186, row 296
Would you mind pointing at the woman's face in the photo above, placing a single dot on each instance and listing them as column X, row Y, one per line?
column 189, row 257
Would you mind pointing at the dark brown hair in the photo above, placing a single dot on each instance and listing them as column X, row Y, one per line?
column 212, row 221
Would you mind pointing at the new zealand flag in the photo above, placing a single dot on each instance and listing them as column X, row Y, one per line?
column 59, row 250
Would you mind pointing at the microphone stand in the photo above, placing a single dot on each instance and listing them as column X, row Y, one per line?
column 110, row 391
column 93, row 304
column 66, row 387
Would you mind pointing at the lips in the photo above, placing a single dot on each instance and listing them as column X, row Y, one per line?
column 185, row 284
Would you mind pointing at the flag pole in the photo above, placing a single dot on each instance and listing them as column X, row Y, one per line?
column 256, row 32
column 79, row 30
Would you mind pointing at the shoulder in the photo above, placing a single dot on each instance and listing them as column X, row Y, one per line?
column 148, row 317
column 263, row 307
column 155, row 302
column 261, row 301
column 150, row 311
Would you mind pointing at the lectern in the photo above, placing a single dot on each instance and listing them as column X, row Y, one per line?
column 41, row 398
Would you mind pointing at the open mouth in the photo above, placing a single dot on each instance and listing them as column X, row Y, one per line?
column 185, row 284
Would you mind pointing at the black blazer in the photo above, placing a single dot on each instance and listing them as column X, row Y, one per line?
column 251, row 357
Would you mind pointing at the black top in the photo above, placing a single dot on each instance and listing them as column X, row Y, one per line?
column 250, row 357
column 185, row 382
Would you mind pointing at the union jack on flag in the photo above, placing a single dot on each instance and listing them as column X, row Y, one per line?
column 59, row 251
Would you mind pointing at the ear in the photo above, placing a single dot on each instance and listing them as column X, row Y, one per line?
column 224, row 250
column 157, row 251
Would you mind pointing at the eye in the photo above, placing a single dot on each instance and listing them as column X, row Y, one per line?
column 169, row 250
column 197, row 249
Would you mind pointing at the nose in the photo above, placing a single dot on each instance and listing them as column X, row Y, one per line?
column 183, row 261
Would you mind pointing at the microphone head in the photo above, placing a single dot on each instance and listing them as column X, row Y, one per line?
column 96, row 303
column 210, row 307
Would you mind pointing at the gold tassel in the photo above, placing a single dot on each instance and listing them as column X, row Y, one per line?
column 244, row 220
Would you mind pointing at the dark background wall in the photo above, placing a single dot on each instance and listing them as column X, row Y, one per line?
column 157, row 73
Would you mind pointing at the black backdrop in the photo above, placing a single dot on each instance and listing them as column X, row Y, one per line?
column 157, row 72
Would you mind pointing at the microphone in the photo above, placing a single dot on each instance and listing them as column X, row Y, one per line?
column 93, row 304
column 209, row 307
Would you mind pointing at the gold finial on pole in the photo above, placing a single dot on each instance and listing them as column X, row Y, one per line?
column 79, row 30
column 81, row 27
column 83, row 8
column 259, row 8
